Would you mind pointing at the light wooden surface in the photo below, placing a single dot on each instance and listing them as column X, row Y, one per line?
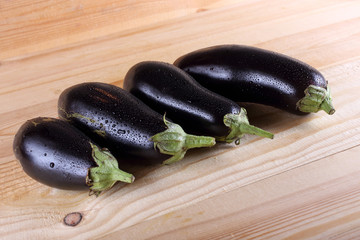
column 304, row 184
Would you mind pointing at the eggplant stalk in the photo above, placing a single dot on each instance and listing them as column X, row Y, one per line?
column 174, row 141
column 107, row 173
column 239, row 125
column 316, row 99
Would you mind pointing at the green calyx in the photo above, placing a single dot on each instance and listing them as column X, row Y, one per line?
column 316, row 99
column 239, row 125
column 174, row 141
column 107, row 173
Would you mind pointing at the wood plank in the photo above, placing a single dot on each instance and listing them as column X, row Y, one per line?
column 104, row 60
column 303, row 203
column 202, row 175
column 30, row 26
column 31, row 82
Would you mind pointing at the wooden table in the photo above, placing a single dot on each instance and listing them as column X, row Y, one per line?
column 304, row 184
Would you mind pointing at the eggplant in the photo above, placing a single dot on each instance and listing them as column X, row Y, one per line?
column 132, row 131
column 249, row 74
column 168, row 89
column 57, row 154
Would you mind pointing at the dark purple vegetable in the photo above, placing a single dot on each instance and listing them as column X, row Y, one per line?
column 126, row 126
column 167, row 88
column 57, row 154
column 249, row 74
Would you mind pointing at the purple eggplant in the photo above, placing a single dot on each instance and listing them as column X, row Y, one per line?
column 132, row 131
column 249, row 74
column 57, row 154
column 168, row 89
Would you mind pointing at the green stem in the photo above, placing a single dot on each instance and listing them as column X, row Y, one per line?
column 193, row 141
column 239, row 125
column 316, row 98
column 174, row 141
column 107, row 173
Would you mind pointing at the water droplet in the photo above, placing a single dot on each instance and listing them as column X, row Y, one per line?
column 120, row 131
column 45, row 154
column 52, row 165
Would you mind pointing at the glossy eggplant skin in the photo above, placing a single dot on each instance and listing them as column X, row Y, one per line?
column 54, row 153
column 249, row 74
column 168, row 89
column 114, row 119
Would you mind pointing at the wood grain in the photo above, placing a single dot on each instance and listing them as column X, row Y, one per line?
column 301, row 185
column 301, row 203
column 30, row 26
